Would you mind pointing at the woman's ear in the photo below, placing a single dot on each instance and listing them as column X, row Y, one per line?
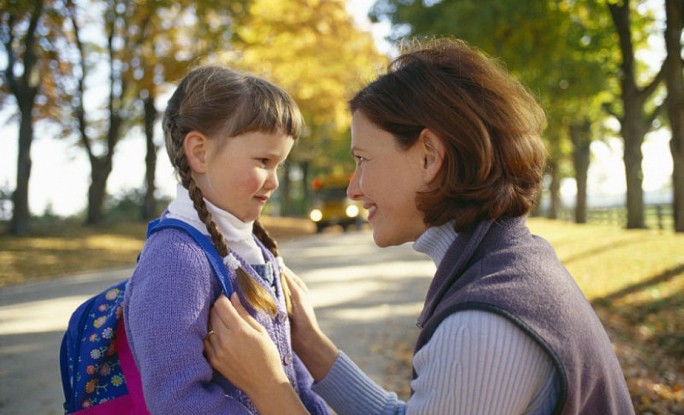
column 433, row 154
column 195, row 145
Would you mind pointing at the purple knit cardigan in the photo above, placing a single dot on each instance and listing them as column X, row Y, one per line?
column 166, row 309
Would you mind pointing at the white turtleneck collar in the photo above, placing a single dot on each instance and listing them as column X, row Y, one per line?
column 238, row 234
column 435, row 241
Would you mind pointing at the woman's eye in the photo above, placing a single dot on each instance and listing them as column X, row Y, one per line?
column 359, row 160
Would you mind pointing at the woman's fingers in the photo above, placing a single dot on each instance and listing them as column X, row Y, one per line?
column 312, row 346
column 222, row 312
column 297, row 289
column 231, row 314
column 230, row 323
column 293, row 279
column 244, row 314
column 222, row 317
column 240, row 347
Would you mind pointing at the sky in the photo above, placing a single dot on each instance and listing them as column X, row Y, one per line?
column 60, row 172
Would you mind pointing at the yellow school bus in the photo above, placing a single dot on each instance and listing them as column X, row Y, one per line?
column 332, row 206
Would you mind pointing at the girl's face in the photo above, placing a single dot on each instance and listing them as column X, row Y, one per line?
column 386, row 180
column 240, row 174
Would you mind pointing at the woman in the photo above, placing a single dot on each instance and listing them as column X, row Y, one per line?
column 449, row 156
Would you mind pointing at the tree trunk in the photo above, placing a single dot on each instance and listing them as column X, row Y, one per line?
column 101, row 167
column 580, row 134
column 633, row 138
column 554, row 191
column 149, row 206
column 24, row 90
column 633, row 124
column 21, row 217
column 674, row 78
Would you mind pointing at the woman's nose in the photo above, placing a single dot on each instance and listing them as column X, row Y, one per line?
column 354, row 190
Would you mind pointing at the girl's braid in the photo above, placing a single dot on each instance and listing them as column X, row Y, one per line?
column 262, row 234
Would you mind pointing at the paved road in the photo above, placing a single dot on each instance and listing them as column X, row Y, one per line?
column 366, row 300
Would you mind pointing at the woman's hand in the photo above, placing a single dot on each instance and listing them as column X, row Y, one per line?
column 240, row 349
column 303, row 321
column 314, row 348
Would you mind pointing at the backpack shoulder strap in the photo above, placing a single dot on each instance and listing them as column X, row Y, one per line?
column 208, row 247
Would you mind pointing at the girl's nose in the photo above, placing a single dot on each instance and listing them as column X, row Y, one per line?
column 272, row 182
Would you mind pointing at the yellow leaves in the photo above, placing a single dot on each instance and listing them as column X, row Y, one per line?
column 284, row 12
column 312, row 49
column 656, row 398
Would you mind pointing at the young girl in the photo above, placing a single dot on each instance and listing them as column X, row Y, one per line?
column 226, row 135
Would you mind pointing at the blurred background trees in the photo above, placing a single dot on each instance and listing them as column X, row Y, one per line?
column 98, row 72
column 580, row 58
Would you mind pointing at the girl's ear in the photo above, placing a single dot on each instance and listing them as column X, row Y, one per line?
column 433, row 154
column 195, row 145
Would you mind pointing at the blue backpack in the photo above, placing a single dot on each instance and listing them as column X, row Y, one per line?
column 99, row 375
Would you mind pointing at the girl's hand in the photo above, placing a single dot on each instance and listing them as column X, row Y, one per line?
column 312, row 346
column 240, row 349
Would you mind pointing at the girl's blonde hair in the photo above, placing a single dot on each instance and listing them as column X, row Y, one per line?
column 220, row 102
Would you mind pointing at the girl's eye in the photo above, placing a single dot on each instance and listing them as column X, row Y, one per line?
column 359, row 160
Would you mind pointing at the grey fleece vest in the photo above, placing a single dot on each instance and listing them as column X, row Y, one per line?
column 501, row 268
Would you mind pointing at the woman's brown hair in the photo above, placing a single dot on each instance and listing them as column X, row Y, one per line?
column 489, row 123
column 222, row 103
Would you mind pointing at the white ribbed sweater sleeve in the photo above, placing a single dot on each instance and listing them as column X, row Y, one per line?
column 475, row 363
column 481, row 363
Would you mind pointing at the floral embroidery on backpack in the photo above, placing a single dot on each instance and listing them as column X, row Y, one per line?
column 103, row 378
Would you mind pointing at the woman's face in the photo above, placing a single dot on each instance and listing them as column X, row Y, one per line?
column 386, row 180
